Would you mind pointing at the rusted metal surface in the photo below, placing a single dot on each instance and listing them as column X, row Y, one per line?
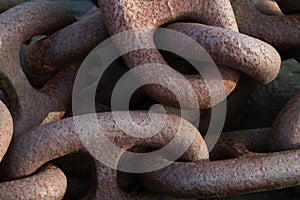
column 268, row 7
column 7, row 4
column 44, row 143
column 60, row 48
column 280, row 31
column 6, row 129
column 254, row 140
column 241, row 162
column 56, row 51
column 271, row 8
column 235, row 102
column 120, row 16
column 289, row 6
column 49, row 55
column 55, row 48
column 285, row 134
column 108, row 82
column 246, row 172
column 49, row 183
column 37, row 81
column 107, row 187
column 235, row 50
column 28, row 106
column 224, row 178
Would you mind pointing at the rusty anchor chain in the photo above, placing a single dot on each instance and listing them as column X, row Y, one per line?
column 6, row 129
column 137, row 58
column 285, row 134
column 241, row 162
column 48, row 183
column 59, row 48
column 28, row 106
column 268, row 7
column 240, row 50
column 280, row 31
column 250, row 171
column 169, row 11
column 271, row 8
column 7, row 4
column 245, row 172
column 56, row 51
column 60, row 138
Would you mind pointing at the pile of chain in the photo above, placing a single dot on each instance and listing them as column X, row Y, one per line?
column 42, row 153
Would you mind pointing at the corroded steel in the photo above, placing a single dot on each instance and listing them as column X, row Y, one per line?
column 28, row 106
column 242, row 172
column 7, row 4
column 66, row 45
column 121, row 16
column 45, row 143
column 282, row 32
column 6, row 129
column 285, row 134
column 268, row 7
column 238, row 51
column 49, row 183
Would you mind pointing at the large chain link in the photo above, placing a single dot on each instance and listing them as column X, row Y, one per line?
column 241, row 162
